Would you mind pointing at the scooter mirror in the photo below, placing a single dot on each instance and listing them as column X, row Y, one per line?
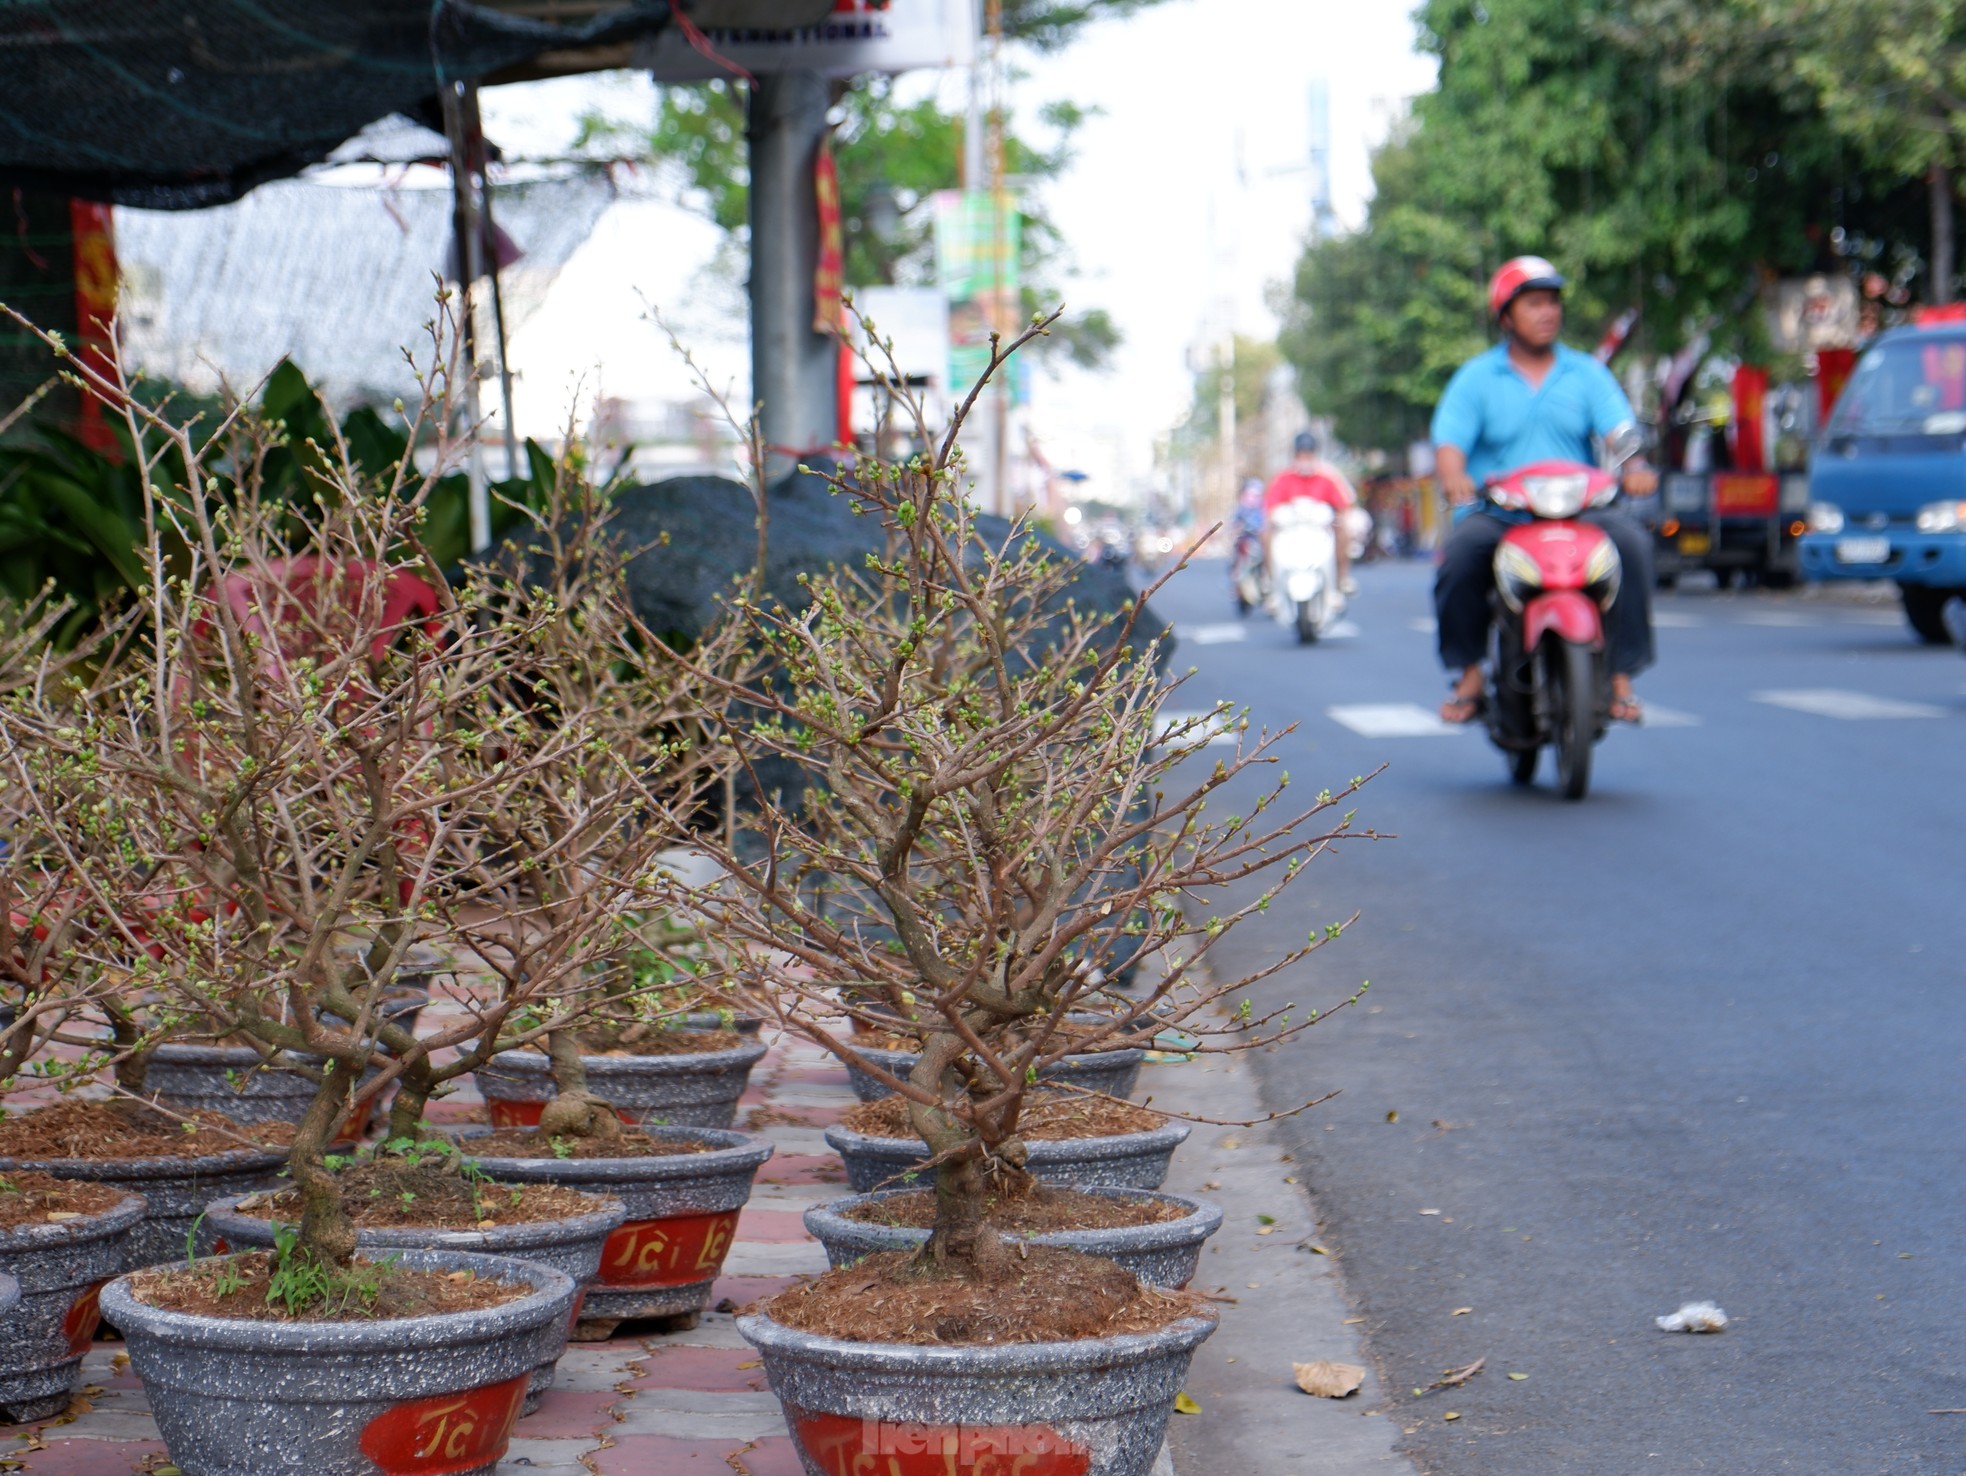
column 1622, row 444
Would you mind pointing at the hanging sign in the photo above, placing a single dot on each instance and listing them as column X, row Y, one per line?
column 859, row 36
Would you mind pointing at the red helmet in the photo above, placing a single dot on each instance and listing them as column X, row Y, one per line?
column 1517, row 277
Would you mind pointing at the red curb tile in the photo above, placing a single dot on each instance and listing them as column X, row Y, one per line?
column 569, row 1412
column 702, row 1370
column 803, row 1168
column 777, row 1226
column 643, row 1455
column 774, row 1457
column 84, row 1457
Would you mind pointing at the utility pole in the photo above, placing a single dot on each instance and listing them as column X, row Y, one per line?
column 794, row 367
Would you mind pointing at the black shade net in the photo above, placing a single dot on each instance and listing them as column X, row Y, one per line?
column 176, row 104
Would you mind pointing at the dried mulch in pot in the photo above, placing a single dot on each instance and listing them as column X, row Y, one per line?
column 101, row 1131
column 401, row 1292
column 1047, row 1208
column 1035, row 1294
column 41, row 1199
column 439, row 1198
column 1047, row 1116
column 527, row 1143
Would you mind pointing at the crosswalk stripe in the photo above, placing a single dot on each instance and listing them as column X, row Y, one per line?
column 1673, row 620
column 1669, row 717
column 1850, row 706
column 1392, row 720
column 1214, row 635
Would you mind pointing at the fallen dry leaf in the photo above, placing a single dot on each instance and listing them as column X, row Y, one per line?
column 1452, row 1414
column 1353, row 1321
column 1455, row 1377
column 1393, row 1116
column 60, row 1215
column 1317, row 1250
column 1328, row 1380
column 1231, row 1143
column 1460, row 1312
column 458, row 1276
column 1518, row 1377
column 1266, row 1229
column 754, row 1363
column 1186, row 1403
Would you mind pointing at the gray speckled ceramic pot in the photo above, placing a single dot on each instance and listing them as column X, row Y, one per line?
column 234, row 1081
column 1124, row 1160
column 1097, row 1407
column 571, row 1245
column 411, row 1396
column 56, row 1271
column 9, row 1294
column 1115, row 1073
column 682, row 1218
column 1160, row 1252
column 694, row 1089
column 175, row 1192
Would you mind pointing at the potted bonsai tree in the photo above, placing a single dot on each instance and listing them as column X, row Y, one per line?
column 1002, row 820
column 300, row 760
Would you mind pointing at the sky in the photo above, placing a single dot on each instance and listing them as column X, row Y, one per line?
column 1188, row 197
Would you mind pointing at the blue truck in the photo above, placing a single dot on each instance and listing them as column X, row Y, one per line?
column 1887, row 482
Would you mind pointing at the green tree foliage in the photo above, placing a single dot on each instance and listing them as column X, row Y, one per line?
column 1651, row 147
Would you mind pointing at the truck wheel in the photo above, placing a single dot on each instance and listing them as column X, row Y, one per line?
column 1925, row 610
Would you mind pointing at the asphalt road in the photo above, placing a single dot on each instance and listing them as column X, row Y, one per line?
column 1697, row 1037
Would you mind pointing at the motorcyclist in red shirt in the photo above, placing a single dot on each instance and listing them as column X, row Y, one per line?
column 1309, row 475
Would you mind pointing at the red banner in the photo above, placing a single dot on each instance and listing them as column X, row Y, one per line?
column 93, row 228
column 1750, row 411
column 1833, row 366
column 829, row 274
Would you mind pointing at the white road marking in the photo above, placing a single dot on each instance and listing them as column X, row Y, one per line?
column 1214, row 635
column 1779, row 619
column 1218, row 727
column 1344, row 630
column 1425, row 625
column 1850, row 706
column 1673, row 620
column 1392, row 720
column 1669, row 717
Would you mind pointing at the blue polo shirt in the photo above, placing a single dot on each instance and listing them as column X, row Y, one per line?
column 1490, row 412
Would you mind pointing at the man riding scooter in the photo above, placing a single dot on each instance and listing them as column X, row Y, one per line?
column 1310, row 476
column 1530, row 399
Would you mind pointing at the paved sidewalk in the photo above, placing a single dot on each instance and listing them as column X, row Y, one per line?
column 697, row 1401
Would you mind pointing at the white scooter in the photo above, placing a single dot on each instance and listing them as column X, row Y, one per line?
column 1304, row 593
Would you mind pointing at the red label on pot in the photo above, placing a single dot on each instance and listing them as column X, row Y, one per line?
column 840, row 1445
column 84, row 1315
column 513, row 1114
column 671, row 1252
column 450, row 1432
column 505, row 1114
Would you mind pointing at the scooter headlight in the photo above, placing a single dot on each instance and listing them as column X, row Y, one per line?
column 1561, row 496
column 1516, row 576
column 1604, row 571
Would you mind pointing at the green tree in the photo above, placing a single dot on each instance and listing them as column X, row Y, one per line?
column 1636, row 142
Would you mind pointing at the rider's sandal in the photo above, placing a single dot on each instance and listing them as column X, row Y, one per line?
column 1460, row 711
column 1627, row 710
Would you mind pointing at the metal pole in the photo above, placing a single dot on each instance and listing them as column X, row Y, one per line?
column 464, row 223
column 794, row 368
column 481, row 175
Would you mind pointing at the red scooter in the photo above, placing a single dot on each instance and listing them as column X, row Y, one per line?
column 1549, row 676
